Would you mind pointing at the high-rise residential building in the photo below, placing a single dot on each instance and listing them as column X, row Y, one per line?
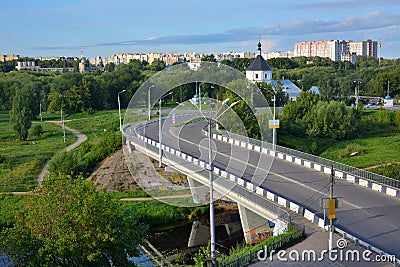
column 331, row 49
column 367, row 48
column 337, row 49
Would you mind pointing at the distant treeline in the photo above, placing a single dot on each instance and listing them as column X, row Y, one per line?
column 98, row 90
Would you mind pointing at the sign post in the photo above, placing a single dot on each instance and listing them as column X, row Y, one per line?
column 331, row 203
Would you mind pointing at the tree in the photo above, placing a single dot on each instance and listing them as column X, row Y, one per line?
column 398, row 118
column 37, row 130
column 21, row 113
column 157, row 65
column 66, row 222
column 331, row 119
column 294, row 112
column 210, row 58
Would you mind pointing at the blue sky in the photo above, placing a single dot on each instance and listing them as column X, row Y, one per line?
column 103, row 27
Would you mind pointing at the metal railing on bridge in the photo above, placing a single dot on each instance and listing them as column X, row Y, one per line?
column 322, row 161
column 151, row 145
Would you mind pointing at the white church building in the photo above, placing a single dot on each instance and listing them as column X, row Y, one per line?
column 260, row 71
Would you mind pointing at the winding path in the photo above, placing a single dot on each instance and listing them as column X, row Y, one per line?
column 81, row 138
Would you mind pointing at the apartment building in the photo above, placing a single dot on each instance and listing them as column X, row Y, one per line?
column 337, row 49
column 366, row 48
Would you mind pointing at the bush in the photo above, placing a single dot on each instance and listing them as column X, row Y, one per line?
column 398, row 118
column 37, row 130
column 351, row 148
column 105, row 145
column 385, row 117
column 392, row 171
column 67, row 163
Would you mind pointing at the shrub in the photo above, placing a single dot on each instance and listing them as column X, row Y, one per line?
column 398, row 118
column 67, row 163
column 384, row 117
column 351, row 148
column 37, row 130
column 392, row 171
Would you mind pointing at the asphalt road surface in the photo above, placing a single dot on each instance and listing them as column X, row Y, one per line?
column 371, row 216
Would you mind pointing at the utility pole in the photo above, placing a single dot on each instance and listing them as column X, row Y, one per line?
column 332, row 205
column 148, row 101
column 40, row 111
column 211, row 178
column 119, row 110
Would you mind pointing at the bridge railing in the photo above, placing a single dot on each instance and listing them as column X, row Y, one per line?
column 151, row 145
column 269, row 247
column 194, row 165
column 322, row 161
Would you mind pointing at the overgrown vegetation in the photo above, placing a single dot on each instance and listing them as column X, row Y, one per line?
column 22, row 161
column 156, row 213
column 68, row 222
column 10, row 206
column 289, row 238
column 390, row 170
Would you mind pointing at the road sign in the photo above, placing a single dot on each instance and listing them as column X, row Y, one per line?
column 273, row 124
column 325, row 202
column 332, row 205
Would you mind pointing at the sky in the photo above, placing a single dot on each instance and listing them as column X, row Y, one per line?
column 103, row 27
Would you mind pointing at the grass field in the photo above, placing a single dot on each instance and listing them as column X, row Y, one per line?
column 372, row 151
column 22, row 161
column 100, row 121
column 93, row 124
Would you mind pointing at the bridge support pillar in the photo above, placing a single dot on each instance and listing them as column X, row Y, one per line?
column 199, row 235
column 280, row 227
column 200, row 192
column 255, row 228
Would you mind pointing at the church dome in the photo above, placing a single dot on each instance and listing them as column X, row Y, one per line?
column 259, row 63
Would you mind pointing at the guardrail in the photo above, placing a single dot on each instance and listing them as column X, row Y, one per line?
column 245, row 191
column 253, row 255
column 325, row 162
column 268, row 197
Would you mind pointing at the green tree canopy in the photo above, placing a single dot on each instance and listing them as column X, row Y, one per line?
column 66, row 222
column 23, row 106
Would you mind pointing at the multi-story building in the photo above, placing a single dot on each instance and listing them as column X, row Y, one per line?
column 331, row 49
column 31, row 65
column 367, row 48
column 288, row 54
column 8, row 57
column 337, row 49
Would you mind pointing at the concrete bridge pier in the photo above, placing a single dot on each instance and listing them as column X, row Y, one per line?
column 199, row 235
column 257, row 228
column 200, row 193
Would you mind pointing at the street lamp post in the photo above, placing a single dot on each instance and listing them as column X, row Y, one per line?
column 216, row 113
column 40, row 111
column 148, row 98
column 159, row 130
column 62, row 122
column 211, row 178
column 119, row 110
column 213, row 259
column 357, row 91
column 274, row 129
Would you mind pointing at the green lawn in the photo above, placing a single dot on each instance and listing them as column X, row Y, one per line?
column 373, row 151
column 93, row 124
column 22, row 161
